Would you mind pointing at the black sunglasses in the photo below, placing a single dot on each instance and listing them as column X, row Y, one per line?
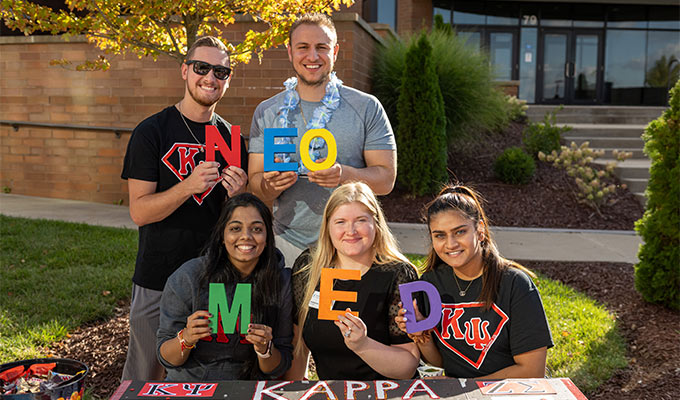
column 202, row 68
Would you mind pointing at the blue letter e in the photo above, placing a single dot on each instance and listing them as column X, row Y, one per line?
column 270, row 149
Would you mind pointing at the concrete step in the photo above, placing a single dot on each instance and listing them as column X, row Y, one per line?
column 630, row 168
column 605, row 130
column 606, row 142
column 596, row 119
column 597, row 114
column 633, row 172
column 635, row 185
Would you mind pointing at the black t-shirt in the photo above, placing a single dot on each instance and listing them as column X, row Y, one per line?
column 377, row 304
column 162, row 150
column 474, row 342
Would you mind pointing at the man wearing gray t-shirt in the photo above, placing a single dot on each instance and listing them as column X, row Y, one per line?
column 366, row 149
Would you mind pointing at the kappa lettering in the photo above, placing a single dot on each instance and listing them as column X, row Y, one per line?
column 472, row 336
column 354, row 386
column 159, row 389
column 419, row 386
column 262, row 390
column 475, row 336
column 186, row 159
column 181, row 161
column 382, row 387
column 450, row 322
column 178, row 389
column 195, row 389
column 319, row 387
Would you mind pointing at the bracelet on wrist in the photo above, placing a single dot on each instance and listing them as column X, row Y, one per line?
column 267, row 353
column 183, row 344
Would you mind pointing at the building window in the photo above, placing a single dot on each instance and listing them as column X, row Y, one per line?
column 381, row 11
column 576, row 53
column 469, row 13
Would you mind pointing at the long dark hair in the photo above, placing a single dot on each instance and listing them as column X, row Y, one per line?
column 265, row 278
column 467, row 202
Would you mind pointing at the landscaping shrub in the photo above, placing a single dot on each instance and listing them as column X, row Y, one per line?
column 421, row 136
column 543, row 136
column 517, row 109
column 592, row 187
column 440, row 25
column 471, row 102
column 514, row 166
column 657, row 275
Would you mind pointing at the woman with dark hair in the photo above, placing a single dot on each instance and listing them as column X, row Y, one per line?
column 241, row 250
column 493, row 324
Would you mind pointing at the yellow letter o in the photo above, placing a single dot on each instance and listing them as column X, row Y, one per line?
column 326, row 135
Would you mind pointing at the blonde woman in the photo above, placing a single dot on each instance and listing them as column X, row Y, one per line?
column 353, row 235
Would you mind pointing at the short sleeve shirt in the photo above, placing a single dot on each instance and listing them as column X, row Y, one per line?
column 359, row 124
column 475, row 342
column 162, row 150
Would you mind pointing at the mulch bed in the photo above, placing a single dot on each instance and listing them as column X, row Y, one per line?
column 652, row 333
column 548, row 201
column 102, row 346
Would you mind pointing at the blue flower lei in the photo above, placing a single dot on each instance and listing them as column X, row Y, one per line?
column 322, row 114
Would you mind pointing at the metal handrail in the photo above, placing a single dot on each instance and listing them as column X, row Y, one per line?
column 17, row 124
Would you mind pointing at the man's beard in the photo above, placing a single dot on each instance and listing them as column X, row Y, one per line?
column 197, row 99
column 319, row 82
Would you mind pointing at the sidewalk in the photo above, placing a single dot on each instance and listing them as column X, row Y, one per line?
column 514, row 243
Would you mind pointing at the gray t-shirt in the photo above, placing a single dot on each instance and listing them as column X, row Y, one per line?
column 360, row 123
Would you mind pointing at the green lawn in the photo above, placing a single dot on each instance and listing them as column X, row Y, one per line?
column 55, row 276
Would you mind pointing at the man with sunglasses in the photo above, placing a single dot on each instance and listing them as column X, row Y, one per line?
column 315, row 98
column 175, row 195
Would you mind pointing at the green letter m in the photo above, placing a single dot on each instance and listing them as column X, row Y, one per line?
column 217, row 305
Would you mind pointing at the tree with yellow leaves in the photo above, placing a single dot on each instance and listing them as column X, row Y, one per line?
column 155, row 27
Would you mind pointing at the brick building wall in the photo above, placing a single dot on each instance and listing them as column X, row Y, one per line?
column 413, row 15
column 85, row 164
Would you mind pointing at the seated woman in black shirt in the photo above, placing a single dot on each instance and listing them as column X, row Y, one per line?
column 492, row 321
column 353, row 235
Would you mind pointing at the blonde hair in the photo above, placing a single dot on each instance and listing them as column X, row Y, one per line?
column 324, row 254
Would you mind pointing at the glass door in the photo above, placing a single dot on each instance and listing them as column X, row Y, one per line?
column 586, row 67
column 553, row 68
column 570, row 66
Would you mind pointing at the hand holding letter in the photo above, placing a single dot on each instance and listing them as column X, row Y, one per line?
column 234, row 179
column 400, row 319
column 204, row 176
column 197, row 327
column 330, row 177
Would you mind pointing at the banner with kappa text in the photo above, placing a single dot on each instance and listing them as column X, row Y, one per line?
column 445, row 389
